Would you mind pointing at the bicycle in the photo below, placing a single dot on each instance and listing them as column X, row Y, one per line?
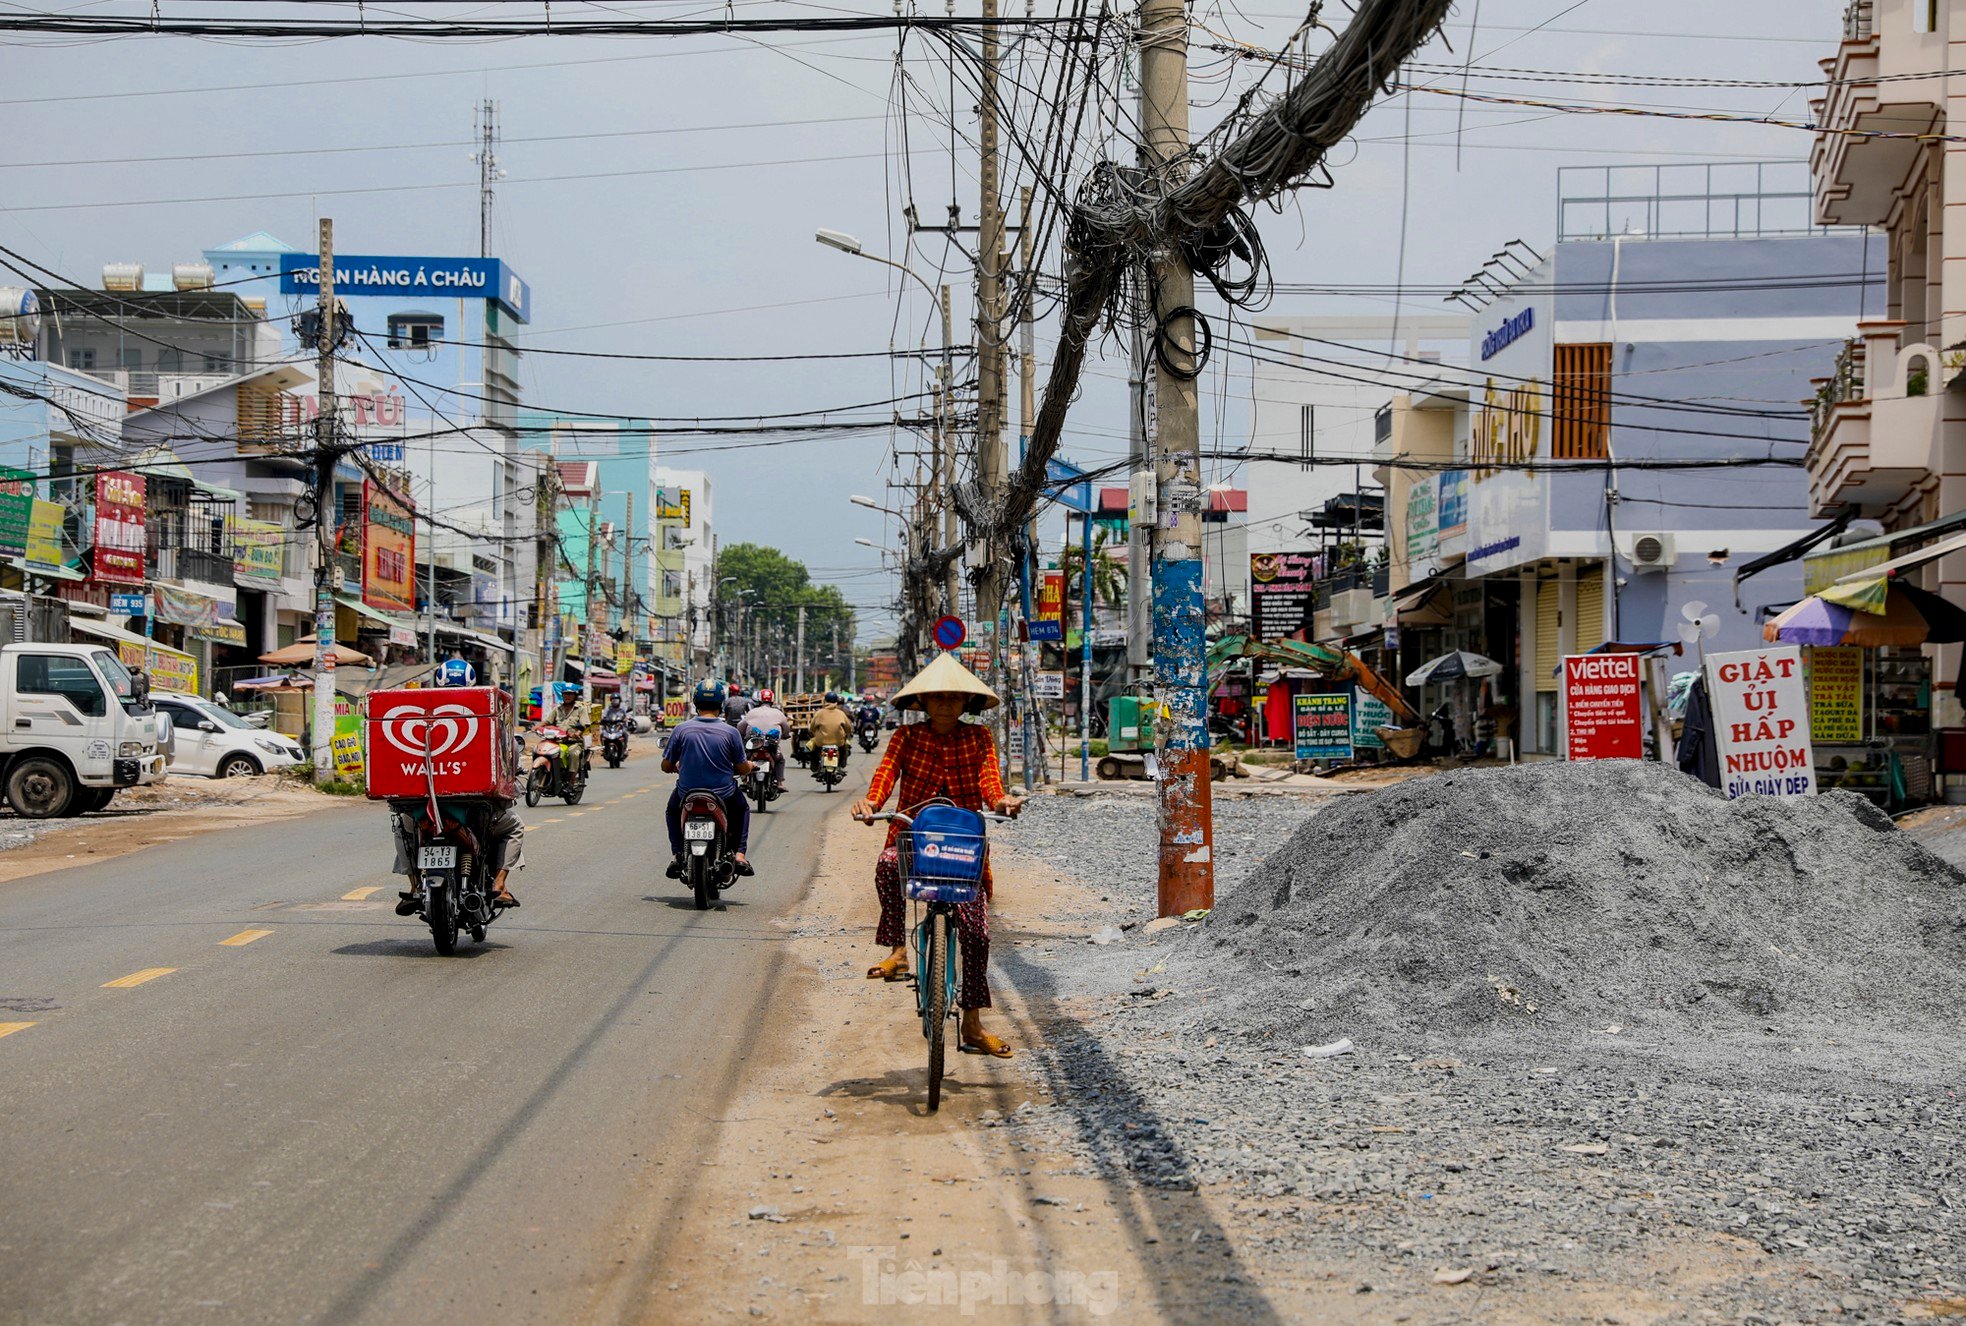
column 941, row 853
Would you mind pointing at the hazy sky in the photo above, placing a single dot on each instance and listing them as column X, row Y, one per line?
column 661, row 194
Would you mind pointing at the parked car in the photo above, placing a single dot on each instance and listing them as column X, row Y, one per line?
column 211, row 741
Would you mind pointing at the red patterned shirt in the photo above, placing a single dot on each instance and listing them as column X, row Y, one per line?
column 961, row 767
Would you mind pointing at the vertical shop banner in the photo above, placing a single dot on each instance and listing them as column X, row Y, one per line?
column 1369, row 714
column 119, row 528
column 1049, row 625
column 624, row 658
column 1603, row 716
column 1836, row 695
column 388, row 549
column 16, row 510
column 259, row 550
column 1761, row 723
column 44, row 534
column 1323, row 726
column 350, row 757
column 1282, row 593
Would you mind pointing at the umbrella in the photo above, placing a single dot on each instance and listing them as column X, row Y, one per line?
column 279, row 683
column 1453, row 667
column 1911, row 616
column 301, row 653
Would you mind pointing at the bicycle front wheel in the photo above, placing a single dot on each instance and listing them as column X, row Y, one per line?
column 937, row 964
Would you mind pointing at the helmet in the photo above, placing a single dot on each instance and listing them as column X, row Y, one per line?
column 767, row 696
column 832, row 697
column 709, row 694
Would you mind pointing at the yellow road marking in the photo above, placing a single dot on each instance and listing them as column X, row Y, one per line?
column 359, row 895
column 555, row 820
column 9, row 1028
column 244, row 937
column 137, row 978
column 576, row 815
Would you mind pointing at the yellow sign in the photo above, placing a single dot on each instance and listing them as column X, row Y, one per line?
column 169, row 670
column 347, row 742
column 1508, row 429
column 258, row 549
column 1836, row 694
column 44, row 534
column 624, row 657
column 672, row 504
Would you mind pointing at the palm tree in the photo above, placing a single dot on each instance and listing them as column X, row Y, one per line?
column 1108, row 574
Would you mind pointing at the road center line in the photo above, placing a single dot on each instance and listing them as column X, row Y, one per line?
column 357, row 895
column 136, row 978
column 9, row 1028
column 243, row 938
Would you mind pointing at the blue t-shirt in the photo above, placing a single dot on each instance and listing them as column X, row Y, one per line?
column 706, row 752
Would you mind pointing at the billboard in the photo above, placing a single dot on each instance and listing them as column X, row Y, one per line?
column 672, row 504
column 430, row 278
column 1323, row 726
column 1761, row 722
column 1602, row 716
column 119, row 528
column 258, row 550
column 1282, row 593
column 388, row 549
column 1049, row 624
column 16, row 507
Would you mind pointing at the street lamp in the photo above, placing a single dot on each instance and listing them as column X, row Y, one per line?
column 860, row 499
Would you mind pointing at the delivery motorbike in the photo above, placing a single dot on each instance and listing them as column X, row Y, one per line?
column 614, row 741
column 708, row 864
column 559, row 766
column 761, row 748
column 829, row 765
column 451, row 864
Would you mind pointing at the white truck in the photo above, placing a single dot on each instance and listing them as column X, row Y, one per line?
column 77, row 725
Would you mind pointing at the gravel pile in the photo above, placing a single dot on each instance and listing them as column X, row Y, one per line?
column 1589, row 895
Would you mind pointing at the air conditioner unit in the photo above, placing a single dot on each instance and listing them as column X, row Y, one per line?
column 1649, row 551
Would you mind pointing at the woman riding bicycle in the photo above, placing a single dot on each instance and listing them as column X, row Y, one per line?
column 955, row 761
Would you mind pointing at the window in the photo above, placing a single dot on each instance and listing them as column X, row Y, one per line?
column 415, row 330
column 1581, row 410
column 1924, row 15
column 70, row 678
column 84, row 360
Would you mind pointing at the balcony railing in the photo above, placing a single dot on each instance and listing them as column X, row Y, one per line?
column 1845, row 384
column 1859, row 19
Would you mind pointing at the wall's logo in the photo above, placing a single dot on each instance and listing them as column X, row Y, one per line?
column 1508, row 333
column 448, row 727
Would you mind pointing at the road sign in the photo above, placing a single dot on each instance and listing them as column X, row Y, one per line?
column 130, row 605
column 950, row 632
column 457, row 672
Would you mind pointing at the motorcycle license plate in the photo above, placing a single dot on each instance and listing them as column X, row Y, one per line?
column 700, row 830
column 830, row 761
column 442, row 857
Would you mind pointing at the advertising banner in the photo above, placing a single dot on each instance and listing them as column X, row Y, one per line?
column 431, row 278
column 1323, row 726
column 1761, row 723
column 1451, row 510
column 672, row 504
column 624, row 657
column 1048, row 685
column 1049, row 624
column 258, row 550
column 181, row 607
column 1422, row 518
column 1369, row 714
column 169, row 670
column 388, row 549
column 1836, row 694
column 44, row 534
column 1603, row 718
column 119, row 528
column 346, row 743
column 16, row 508
column 1282, row 593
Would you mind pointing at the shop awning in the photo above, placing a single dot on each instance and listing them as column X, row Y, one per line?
column 1943, row 548
column 225, row 631
column 1825, row 566
column 1424, row 605
column 362, row 609
column 116, row 634
column 1788, row 552
column 50, row 572
column 480, row 637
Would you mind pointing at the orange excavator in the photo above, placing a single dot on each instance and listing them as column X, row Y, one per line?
column 1339, row 665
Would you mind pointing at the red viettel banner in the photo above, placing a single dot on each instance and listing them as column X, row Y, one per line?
column 119, row 528
column 1761, row 723
column 1602, row 716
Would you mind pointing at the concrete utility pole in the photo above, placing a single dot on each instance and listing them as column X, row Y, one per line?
column 594, row 619
column 628, row 595
column 1027, row 410
column 799, row 655
column 546, row 604
column 1187, row 871
column 991, row 614
column 325, row 457
column 952, row 599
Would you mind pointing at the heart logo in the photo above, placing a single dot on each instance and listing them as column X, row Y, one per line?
column 448, row 727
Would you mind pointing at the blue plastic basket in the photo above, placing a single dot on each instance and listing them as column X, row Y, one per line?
column 942, row 855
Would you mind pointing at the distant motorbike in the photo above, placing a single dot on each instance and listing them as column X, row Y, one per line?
column 708, row 864
column 761, row 748
column 829, row 766
column 614, row 741
column 559, row 766
column 869, row 734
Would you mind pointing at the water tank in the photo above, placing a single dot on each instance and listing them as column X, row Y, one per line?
column 20, row 316
column 123, row 277
column 191, row 276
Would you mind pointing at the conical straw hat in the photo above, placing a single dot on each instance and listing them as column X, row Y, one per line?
column 945, row 676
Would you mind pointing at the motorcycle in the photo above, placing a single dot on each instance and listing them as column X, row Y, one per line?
column 559, row 766
column 870, row 735
column 452, row 869
column 761, row 748
column 707, row 862
column 829, row 764
column 614, row 742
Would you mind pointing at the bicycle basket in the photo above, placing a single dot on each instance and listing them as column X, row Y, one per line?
column 942, row 855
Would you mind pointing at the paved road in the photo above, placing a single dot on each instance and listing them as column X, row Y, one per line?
column 251, row 1094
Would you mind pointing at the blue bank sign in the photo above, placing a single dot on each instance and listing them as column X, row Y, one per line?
column 1508, row 333
column 356, row 275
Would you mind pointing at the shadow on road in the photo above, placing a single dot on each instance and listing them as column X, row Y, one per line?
column 904, row 1089
column 416, row 947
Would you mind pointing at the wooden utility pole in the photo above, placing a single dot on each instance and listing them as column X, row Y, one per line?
column 992, row 619
column 1187, row 872
column 326, row 454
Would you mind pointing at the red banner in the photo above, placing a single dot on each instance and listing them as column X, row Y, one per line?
column 1602, row 716
column 388, row 549
column 119, row 545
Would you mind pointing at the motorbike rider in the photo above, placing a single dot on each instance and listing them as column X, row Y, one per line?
column 944, row 757
column 707, row 755
column 766, row 717
column 830, row 726
column 736, row 705
column 867, row 715
column 505, row 853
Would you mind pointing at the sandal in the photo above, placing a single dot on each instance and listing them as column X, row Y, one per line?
column 994, row 1046
column 889, row 969
column 504, row 900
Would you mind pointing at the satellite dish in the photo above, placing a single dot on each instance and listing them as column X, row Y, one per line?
column 1696, row 623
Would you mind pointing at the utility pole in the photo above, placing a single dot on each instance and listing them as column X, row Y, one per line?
column 952, row 601
column 594, row 619
column 326, row 455
column 628, row 597
column 1187, row 872
column 1027, row 410
column 430, row 576
column 488, row 172
column 546, row 604
column 799, row 655
column 991, row 611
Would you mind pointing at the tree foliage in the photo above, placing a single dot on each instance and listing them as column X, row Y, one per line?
column 774, row 587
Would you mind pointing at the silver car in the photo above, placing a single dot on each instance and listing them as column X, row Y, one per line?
column 211, row 741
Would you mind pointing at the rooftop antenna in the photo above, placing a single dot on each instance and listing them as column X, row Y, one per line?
column 485, row 131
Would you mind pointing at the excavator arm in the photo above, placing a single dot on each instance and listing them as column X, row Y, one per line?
column 1337, row 664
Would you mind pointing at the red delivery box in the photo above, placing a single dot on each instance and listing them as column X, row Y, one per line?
column 459, row 732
